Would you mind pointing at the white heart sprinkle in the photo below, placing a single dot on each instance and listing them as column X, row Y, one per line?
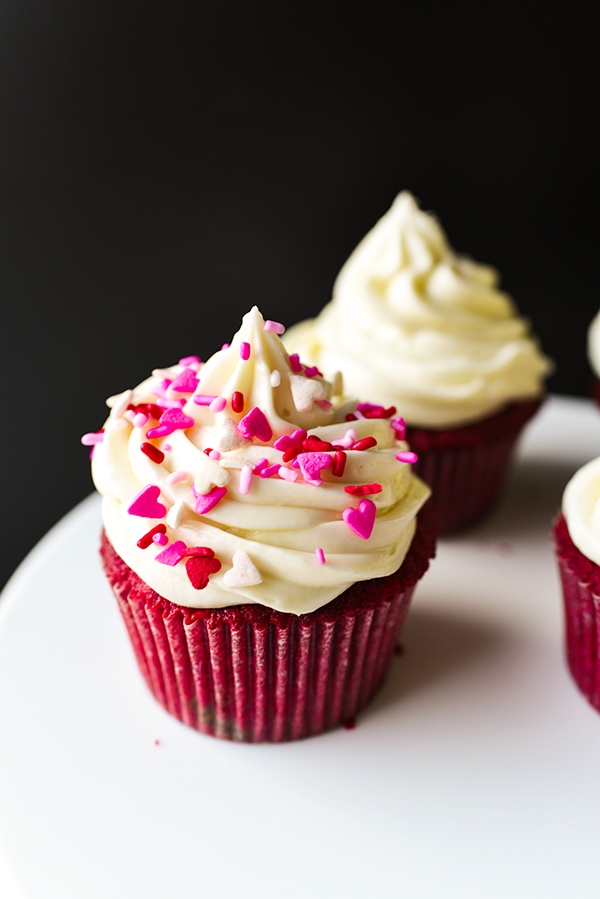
column 306, row 391
column 243, row 572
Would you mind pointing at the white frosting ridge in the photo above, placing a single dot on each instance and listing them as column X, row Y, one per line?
column 581, row 509
column 414, row 323
column 266, row 533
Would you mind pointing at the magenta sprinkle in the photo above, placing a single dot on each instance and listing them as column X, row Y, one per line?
column 362, row 519
column 260, row 465
column 160, row 539
column 275, row 327
column 320, row 555
column 185, row 382
column 255, row 424
column 295, row 363
column 152, row 452
column 237, row 401
column 203, row 399
column 207, row 501
column 311, row 371
column 369, row 410
column 407, row 457
column 399, row 427
column 269, row 471
column 364, row 444
column 146, row 503
column 193, row 362
column 172, row 554
column 171, row 420
column 244, row 350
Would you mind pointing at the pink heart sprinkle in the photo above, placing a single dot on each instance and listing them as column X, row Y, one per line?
column 361, row 520
column 146, row 503
column 207, row 501
column 312, row 464
column 185, row 382
column 255, row 424
column 171, row 420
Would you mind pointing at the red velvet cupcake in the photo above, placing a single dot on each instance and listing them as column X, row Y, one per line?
column 577, row 546
column 429, row 331
column 576, row 532
column 261, row 540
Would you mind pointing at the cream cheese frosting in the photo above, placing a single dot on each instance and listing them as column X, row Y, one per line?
column 413, row 322
column 249, row 479
column 581, row 509
column 593, row 344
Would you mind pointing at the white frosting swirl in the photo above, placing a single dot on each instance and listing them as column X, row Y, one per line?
column 285, row 540
column 416, row 324
column 593, row 344
column 581, row 509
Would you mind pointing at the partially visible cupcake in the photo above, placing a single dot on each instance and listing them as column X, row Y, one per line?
column 593, row 353
column 263, row 548
column 576, row 532
column 428, row 330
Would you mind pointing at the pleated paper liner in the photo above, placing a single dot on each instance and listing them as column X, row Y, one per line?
column 466, row 467
column 253, row 674
column 580, row 580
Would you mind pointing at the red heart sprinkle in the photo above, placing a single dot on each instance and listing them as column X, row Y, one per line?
column 199, row 569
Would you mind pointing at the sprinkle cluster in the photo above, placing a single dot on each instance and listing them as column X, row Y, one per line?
column 304, row 459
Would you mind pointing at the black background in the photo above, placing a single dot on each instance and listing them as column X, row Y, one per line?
column 164, row 168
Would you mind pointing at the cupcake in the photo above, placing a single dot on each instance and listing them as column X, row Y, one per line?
column 428, row 330
column 593, row 353
column 576, row 532
column 261, row 537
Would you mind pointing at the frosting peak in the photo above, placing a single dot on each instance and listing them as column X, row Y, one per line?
column 249, row 479
column 413, row 322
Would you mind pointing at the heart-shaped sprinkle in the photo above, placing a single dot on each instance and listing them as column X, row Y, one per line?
column 185, row 382
column 312, row 464
column 243, row 572
column 199, row 569
column 209, row 473
column 172, row 554
column 255, row 424
column 207, row 501
column 171, row 420
column 306, row 391
column 146, row 503
column 361, row 520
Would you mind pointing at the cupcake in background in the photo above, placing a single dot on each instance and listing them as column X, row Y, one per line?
column 429, row 331
column 593, row 353
column 576, row 532
column 263, row 549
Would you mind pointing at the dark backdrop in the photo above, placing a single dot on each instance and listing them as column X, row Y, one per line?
column 163, row 168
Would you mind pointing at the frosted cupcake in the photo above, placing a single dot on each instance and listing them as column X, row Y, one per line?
column 429, row 331
column 577, row 543
column 263, row 548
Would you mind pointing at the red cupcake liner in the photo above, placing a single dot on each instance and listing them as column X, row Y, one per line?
column 254, row 674
column 466, row 467
column 580, row 580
